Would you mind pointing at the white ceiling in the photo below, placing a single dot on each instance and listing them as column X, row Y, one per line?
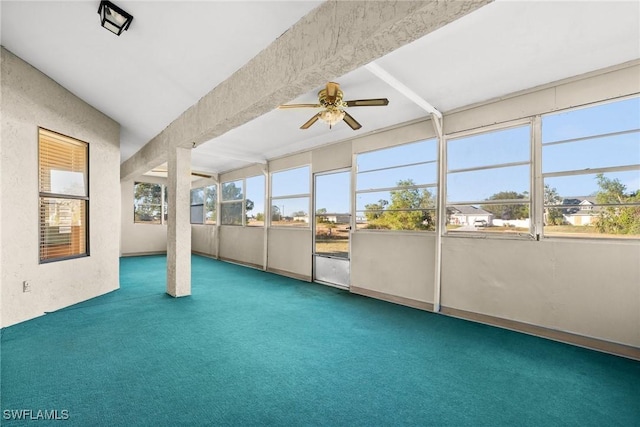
column 176, row 52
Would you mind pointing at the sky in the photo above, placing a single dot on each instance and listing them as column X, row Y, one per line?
column 495, row 148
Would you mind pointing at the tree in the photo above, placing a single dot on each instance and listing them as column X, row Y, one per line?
column 259, row 216
column 231, row 213
column 410, row 209
column 508, row 211
column 616, row 219
column 275, row 213
column 147, row 201
column 552, row 216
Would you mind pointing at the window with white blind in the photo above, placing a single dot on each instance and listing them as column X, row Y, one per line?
column 64, row 196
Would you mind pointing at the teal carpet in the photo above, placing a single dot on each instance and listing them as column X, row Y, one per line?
column 252, row 348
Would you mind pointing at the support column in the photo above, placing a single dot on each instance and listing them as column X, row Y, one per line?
column 179, row 224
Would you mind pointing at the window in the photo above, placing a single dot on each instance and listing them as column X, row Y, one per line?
column 64, row 196
column 591, row 170
column 255, row 201
column 290, row 198
column 148, row 205
column 489, row 181
column 197, row 206
column 231, row 204
column 203, row 205
column 396, row 187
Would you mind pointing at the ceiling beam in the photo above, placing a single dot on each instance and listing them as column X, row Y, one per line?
column 403, row 89
column 335, row 38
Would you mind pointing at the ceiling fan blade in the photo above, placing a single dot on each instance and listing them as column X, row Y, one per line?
column 283, row 107
column 353, row 123
column 311, row 121
column 332, row 91
column 368, row 102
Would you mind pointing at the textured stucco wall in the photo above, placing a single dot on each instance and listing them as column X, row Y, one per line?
column 31, row 99
column 139, row 238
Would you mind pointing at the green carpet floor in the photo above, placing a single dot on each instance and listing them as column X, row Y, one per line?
column 252, row 348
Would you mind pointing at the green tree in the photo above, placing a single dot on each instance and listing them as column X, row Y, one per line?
column 275, row 213
column 410, row 209
column 552, row 216
column 231, row 213
column 210, row 204
column 616, row 219
column 259, row 216
column 147, row 201
column 508, row 211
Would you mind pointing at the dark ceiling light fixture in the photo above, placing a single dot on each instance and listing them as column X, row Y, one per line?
column 113, row 18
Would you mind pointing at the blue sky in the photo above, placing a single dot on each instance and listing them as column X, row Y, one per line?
column 494, row 148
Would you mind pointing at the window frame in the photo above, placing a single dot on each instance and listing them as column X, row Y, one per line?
column 205, row 192
column 242, row 201
column 432, row 187
column 164, row 205
column 530, row 201
column 51, row 195
column 583, row 171
column 271, row 198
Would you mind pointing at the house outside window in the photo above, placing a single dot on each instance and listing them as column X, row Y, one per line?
column 591, row 170
column 488, row 182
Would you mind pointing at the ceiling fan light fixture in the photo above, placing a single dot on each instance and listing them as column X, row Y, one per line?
column 113, row 18
column 331, row 116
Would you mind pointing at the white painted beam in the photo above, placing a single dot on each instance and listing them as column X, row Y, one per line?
column 403, row 89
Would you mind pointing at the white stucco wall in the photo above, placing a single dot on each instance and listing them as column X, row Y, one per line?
column 30, row 100
column 139, row 238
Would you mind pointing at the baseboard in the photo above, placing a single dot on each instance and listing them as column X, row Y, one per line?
column 242, row 263
column 204, row 254
column 421, row 305
column 289, row 274
column 617, row 349
column 131, row 254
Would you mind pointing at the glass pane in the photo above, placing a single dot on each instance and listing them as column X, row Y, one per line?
column 197, row 214
column 293, row 212
column 332, row 193
column 508, row 218
column 232, row 190
column 333, row 217
column 197, row 196
column 501, row 183
column 231, row 213
column 579, row 213
column 210, row 204
column 147, row 206
column 67, row 182
column 255, row 200
column 396, row 156
column 402, row 209
column 617, row 150
column 63, row 228
column 407, row 175
column 290, row 182
column 486, row 149
column 614, row 187
column 601, row 119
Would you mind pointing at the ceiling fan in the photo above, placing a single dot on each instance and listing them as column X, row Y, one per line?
column 330, row 100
